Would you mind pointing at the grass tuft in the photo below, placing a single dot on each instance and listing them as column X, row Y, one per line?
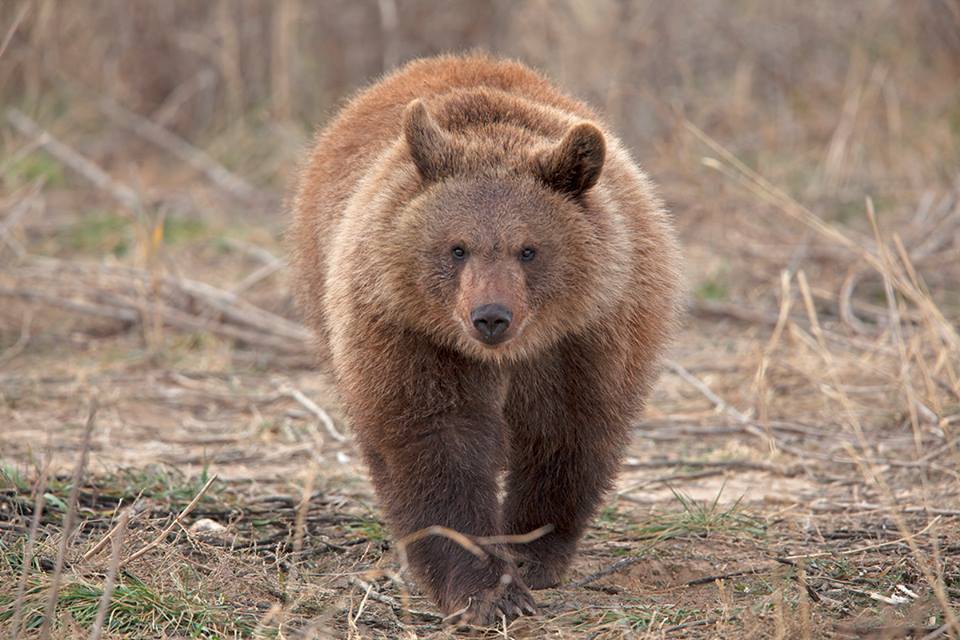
column 136, row 610
column 700, row 519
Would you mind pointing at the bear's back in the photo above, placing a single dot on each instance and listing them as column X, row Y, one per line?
column 372, row 119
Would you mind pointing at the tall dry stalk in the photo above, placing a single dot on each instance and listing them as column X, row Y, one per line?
column 283, row 40
column 117, row 538
column 39, row 500
column 53, row 595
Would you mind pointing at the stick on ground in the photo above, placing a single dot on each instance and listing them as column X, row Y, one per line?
column 170, row 527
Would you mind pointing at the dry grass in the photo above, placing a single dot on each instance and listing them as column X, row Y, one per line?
column 796, row 474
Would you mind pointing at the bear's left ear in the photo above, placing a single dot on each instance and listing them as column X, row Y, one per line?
column 573, row 166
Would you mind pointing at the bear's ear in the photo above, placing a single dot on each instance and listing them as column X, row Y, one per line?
column 573, row 166
column 432, row 150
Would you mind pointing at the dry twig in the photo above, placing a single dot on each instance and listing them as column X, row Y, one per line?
column 68, row 520
column 118, row 533
column 38, row 503
column 178, row 521
column 398, row 609
column 316, row 410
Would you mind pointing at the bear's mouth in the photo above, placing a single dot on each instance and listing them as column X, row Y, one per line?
column 491, row 341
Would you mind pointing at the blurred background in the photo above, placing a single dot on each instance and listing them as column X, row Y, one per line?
column 147, row 149
column 830, row 101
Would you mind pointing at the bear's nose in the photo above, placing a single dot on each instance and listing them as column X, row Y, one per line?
column 491, row 321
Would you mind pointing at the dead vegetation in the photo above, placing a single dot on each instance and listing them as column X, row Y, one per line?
column 172, row 466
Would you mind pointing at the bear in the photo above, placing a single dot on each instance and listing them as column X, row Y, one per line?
column 494, row 281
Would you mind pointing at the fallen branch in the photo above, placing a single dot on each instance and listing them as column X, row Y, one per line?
column 126, row 517
column 702, row 387
column 177, row 146
column 723, row 576
column 65, row 154
column 616, row 567
column 117, row 293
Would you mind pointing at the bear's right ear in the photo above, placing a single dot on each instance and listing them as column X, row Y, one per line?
column 432, row 151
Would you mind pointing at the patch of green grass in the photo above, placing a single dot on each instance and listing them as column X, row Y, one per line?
column 11, row 478
column 178, row 229
column 622, row 552
column 100, row 231
column 700, row 519
column 609, row 515
column 36, row 166
column 368, row 528
column 641, row 617
column 713, row 289
column 754, row 588
column 159, row 482
column 135, row 609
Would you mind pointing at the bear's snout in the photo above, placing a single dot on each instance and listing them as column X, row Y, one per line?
column 491, row 322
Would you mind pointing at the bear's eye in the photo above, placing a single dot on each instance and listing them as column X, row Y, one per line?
column 527, row 254
column 458, row 253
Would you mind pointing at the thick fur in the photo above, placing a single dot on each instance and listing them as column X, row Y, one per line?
column 487, row 156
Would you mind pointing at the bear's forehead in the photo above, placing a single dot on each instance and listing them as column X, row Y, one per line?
column 497, row 195
column 496, row 226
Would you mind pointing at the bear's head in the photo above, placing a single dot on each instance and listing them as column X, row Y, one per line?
column 507, row 247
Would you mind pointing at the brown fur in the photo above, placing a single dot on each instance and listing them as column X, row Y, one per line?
column 484, row 155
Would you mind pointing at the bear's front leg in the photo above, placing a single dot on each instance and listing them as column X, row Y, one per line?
column 568, row 422
column 442, row 471
column 558, row 483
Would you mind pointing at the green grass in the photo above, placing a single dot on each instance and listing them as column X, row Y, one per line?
column 178, row 229
column 11, row 478
column 699, row 519
column 641, row 617
column 135, row 609
column 36, row 166
column 713, row 289
column 57, row 489
column 153, row 607
column 159, row 482
column 99, row 232
column 368, row 528
column 611, row 516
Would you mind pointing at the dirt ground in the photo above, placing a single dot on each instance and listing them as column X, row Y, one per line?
column 795, row 474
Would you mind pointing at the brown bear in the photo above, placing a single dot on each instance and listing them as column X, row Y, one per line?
column 494, row 279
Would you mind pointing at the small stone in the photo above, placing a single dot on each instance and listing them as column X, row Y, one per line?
column 207, row 527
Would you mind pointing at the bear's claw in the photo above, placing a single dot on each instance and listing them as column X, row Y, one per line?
column 488, row 607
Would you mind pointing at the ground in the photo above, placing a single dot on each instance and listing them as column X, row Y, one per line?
column 722, row 523
column 795, row 474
